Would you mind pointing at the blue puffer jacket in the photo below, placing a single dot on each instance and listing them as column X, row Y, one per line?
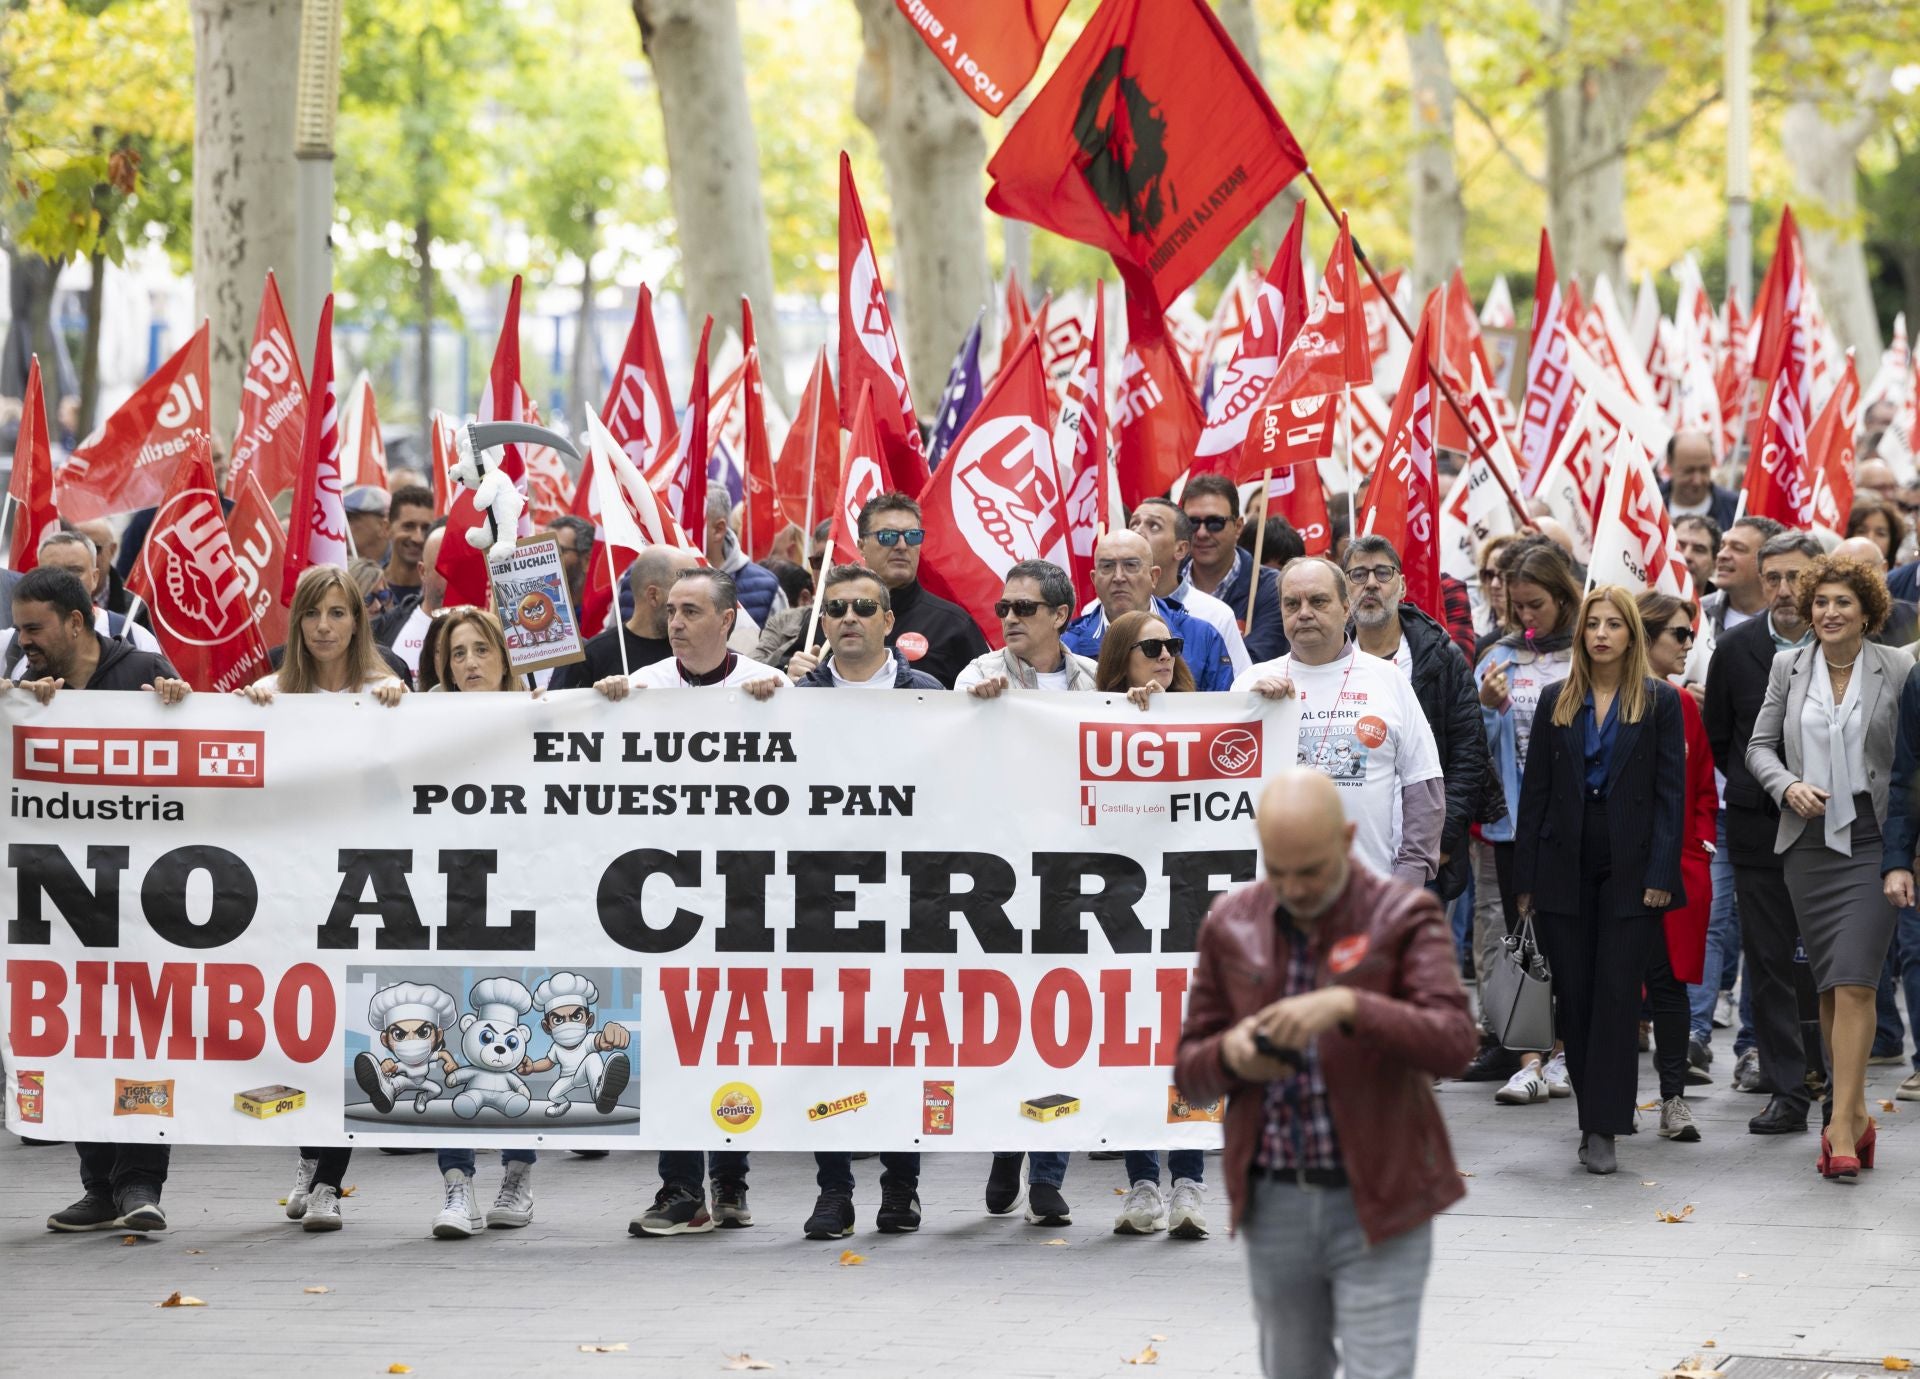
column 759, row 588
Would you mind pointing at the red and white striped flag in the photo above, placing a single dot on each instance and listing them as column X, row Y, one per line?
column 869, row 351
column 317, row 522
column 1549, row 399
column 1403, row 502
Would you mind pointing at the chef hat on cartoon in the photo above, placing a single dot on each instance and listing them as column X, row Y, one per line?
column 410, row 1001
column 564, row 989
column 500, row 999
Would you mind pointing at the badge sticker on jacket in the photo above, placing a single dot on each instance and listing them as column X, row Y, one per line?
column 912, row 645
column 1347, row 954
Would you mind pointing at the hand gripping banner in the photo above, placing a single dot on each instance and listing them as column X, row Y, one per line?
column 690, row 920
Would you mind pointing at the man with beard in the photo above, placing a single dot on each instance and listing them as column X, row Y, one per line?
column 409, row 519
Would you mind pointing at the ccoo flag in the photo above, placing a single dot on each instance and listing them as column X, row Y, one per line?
column 1153, row 141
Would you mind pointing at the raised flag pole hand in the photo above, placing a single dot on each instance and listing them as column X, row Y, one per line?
column 802, row 665
column 170, row 691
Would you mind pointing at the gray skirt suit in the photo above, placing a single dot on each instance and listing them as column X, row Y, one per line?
column 1845, row 920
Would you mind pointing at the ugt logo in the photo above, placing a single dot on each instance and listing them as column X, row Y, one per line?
column 1125, row 143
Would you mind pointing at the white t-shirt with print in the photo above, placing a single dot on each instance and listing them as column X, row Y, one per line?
column 666, row 674
column 1527, row 678
column 1361, row 727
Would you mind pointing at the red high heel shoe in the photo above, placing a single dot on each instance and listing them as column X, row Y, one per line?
column 1837, row 1167
column 1867, row 1141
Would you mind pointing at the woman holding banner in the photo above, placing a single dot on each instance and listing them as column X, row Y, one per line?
column 1140, row 657
column 331, row 651
column 470, row 653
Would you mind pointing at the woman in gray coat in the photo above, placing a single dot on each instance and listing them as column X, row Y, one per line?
column 1823, row 748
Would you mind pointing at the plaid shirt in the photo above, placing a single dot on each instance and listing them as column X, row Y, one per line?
column 1299, row 1131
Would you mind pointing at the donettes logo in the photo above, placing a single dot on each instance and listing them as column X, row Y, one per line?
column 822, row 1110
column 140, row 756
column 1191, row 751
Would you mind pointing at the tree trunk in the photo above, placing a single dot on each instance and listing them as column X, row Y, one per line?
column 30, row 283
column 90, row 345
column 1439, row 213
column 586, row 356
column 1824, row 158
column 243, row 175
column 713, row 164
column 1589, row 122
column 423, row 308
column 935, row 155
column 1270, row 226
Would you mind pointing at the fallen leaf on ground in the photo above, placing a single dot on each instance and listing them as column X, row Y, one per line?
column 281, row 1201
column 1686, row 1369
column 1895, row 1362
column 180, row 1300
column 746, row 1361
column 1887, row 1105
column 1709, row 1345
column 603, row 1349
column 131, row 1239
column 848, row 1258
column 1463, row 1173
column 1148, row 1356
column 1649, row 1106
column 1055, row 1241
column 1649, row 1182
column 196, row 1252
column 1674, row 1218
column 1119, row 1192
column 317, row 1288
column 399, row 1369
column 349, row 1190
column 1156, row 1338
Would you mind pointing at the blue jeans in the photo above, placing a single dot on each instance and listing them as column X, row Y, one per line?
column 462, row 1160
column 1042, row 1167
column 835, row 1171
column 1723, row 944
column 1181, row 1163
column 687, row 1168
column 1906, row 947
column 1889, row 1034
column 1317, row 1281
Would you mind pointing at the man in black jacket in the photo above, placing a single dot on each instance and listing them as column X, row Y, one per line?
column 929, row 633
column 1443, row 682
column 53, row 627
column 1736, row 687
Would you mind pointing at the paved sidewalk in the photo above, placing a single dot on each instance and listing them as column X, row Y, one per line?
column 1542, row 1271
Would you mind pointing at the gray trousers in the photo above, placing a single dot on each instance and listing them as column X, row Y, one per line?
column 1489, row 922
column 1317, row 1283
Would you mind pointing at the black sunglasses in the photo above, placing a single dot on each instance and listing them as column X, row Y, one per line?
column 1020, row 608
column 1212, row 524
column 1152, row 647
column 837, row 608
column 1678, row 633
column 892, row 536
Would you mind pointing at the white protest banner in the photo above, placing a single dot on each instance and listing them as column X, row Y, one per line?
column 828, row 921
column 530, row 599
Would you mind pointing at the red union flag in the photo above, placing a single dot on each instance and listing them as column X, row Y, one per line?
column 1574, row 481
column 1152, row 141
column 1156, row 416
column 317, row 522
column 1633, row 541
column 992, row 48
column 31, row 484
column 863, row 477
column 1550, row 396
column 273, row 403
column 756, row 452
column 259, row 549
column 189, row 579
column 639, row 408
column 1082, row 442
column 126, row 463
column 996, row 500
column 1779, row 477
column 809, row 460
column 869, row 352
column 1279, row 306
column 1403, row 503
column 1830, row 451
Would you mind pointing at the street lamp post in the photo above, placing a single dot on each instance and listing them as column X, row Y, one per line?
column 316, row 106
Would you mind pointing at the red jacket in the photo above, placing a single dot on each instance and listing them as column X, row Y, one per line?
column 1686, row 926
column 1412, row 1025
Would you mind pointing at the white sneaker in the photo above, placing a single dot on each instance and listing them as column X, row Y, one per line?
column 1554, row 1074
column 297, row 1194
column 1524, row 1088
column 323, row 1209
column 1723, row 1010
column 513, row 1206
column 1188, row 1222
column 1143, row 1213
column 1676, row 1121
column 461, row 1216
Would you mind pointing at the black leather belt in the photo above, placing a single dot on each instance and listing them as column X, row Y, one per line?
column 1304, row 1177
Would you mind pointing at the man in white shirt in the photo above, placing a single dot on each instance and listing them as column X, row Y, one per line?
column 701, row 608
column 1169, row 531
column 1737, row 595
column 411, row 635
column 1360, row 726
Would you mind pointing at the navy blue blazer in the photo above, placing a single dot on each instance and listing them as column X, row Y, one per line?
column 1646, row 799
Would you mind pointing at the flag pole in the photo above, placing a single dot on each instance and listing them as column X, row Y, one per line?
column 813, row 470
column 1453, row 403
column 1259, row 541
column 613, row 583
column 1348, row 413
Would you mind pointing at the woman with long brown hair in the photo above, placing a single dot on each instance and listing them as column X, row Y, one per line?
column 1597, row 852
column 330, row 650
column 1140, row 657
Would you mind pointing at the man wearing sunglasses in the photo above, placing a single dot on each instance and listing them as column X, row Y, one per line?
column 930, row 633
column 1124, row 577
column 1219, row 567
column 1421, row 649
column 1170, row 535
column 1033, row 610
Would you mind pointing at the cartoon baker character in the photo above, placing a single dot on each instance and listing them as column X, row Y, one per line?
column 494, row 1042
column 412, row 1021
column 593, row 1064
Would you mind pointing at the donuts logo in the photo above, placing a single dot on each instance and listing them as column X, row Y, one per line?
column 736, row 1108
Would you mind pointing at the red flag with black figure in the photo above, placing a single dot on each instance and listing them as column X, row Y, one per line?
column 992, row 47
column 1153, row 141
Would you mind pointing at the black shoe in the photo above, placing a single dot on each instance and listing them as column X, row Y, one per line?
column 1100, row 1156
column 832, row 1217
column 1699, row 1059
column 1780, row 1118
column 612, row 1082
column 730, row 1206
column 1003, row 1185
column 1046, row 1207
column 1492, row 1064
column 91, row 1213
column 676, row 1210
column 1598, row 1155
column 899, row 1212
column 366, row 1072
column 591, row 1153
column 140, row 1210
column 386, row 1149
